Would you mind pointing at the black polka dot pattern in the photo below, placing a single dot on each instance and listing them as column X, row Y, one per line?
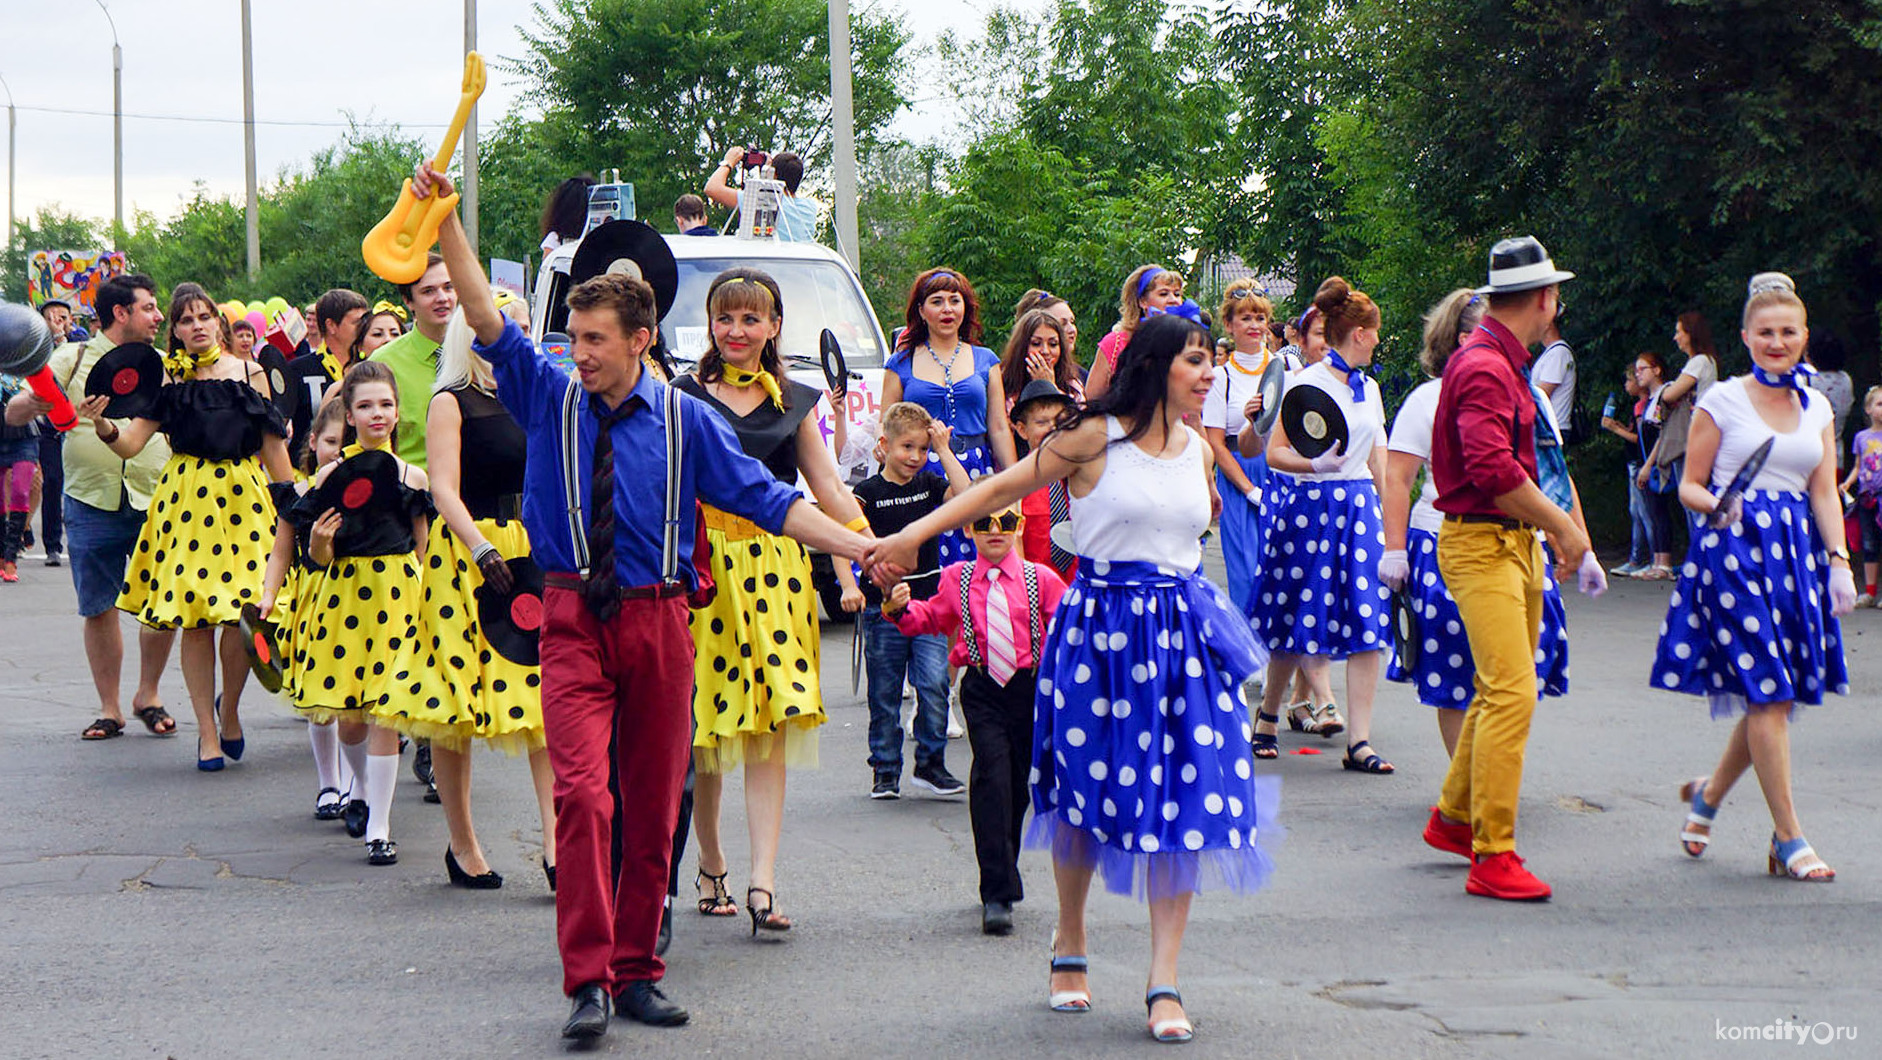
column 764, row 601
column 197, row 559
column 341, row 665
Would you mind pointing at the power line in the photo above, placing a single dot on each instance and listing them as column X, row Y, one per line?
column 224, row 121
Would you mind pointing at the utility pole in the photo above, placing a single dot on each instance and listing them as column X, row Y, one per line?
column 12, row 180
column 251, row 209
column 117, row 121
column 470, row 136
column 843, row 124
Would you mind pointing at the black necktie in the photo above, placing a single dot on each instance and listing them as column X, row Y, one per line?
column 1060, row 503
column 599, row 590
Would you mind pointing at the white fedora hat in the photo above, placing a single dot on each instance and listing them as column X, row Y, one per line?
column 1521, row 264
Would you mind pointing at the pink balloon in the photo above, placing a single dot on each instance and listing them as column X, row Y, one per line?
column 260, row 322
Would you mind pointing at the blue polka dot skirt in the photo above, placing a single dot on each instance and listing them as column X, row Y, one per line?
column 1320, row 590
column 1142, row 763
column 1445, row 676
column 1749, row 620
column 957, row 546
column 1242, row 531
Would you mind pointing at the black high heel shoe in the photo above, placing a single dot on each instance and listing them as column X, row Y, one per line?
column 548, row 873
column 767, row 918
column 487, row 881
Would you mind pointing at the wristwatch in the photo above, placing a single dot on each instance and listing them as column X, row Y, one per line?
column 1842, row 554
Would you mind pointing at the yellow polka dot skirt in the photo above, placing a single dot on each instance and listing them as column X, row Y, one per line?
column 355, row 636
column 461, row 689
column 756, row 689
column 204, row 545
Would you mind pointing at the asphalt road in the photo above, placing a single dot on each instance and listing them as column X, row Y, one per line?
column 151, row 911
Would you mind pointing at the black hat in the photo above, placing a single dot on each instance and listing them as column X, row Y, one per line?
column 512, row 622
column 1038, row 390
column 130, row 375
column 1521, row 264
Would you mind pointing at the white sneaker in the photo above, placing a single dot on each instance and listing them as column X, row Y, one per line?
column 1865, row 600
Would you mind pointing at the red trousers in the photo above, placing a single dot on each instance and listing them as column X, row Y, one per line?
column 617, row 708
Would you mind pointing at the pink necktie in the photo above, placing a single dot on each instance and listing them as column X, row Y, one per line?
column 1002, row 662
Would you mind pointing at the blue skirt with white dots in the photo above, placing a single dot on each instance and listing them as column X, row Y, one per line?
column 1749, row 620
column 1445, row 676
column 957, row 546
column 1142, row 763
column 1320, row 590
column 1243, row 528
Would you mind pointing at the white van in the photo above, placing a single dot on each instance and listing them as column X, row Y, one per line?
column 820, row 291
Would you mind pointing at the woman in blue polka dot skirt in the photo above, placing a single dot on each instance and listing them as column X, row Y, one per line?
column 1444, row 675
column 1141, row 769
column 1321, row 599
column 939, row 365
column 1752, row 623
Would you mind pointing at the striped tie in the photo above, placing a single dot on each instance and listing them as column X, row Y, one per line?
column 600, row 590
column 1060, row 504
column 1002, row 662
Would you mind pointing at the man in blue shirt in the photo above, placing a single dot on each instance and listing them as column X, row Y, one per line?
column 617, row 658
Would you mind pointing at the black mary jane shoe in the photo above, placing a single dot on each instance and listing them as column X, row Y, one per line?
column 486, row 881
column 382, row 852
column 354, row 817
column 326, row 809
column 996, row 918
column 588, row 1013
column 642, row 1001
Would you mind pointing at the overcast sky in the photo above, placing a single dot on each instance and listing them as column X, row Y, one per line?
column 315, row 62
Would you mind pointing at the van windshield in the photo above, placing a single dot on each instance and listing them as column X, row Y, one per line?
column 817, row 295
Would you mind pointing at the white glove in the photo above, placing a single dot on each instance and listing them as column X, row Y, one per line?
column 1842, row 591
column 1592, row 580
column 1253, row 493
column 1394, row 569
column 1726, row 514
column 1329, row 461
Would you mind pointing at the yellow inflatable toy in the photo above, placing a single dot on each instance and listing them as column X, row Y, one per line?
column 396, row 248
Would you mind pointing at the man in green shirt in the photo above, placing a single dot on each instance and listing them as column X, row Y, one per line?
column 413, row 356
column 105, row 499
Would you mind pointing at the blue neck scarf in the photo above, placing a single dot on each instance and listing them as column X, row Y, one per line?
column 1355, row 378
column 1796, row 379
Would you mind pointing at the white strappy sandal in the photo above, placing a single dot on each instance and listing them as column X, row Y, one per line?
column 1168, row 1032
column 1693, row 793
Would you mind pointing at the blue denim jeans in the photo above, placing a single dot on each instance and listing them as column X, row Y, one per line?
column 890, row 656
column 1640, row 552
column 101, row 543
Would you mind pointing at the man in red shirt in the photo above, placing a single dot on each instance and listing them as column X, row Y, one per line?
column 1483, row 462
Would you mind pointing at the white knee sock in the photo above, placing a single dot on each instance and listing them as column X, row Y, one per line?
column 382, row 776
column 353, row 767
column 326, row 744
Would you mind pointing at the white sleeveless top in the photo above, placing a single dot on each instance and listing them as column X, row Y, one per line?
column 1145, row 508
column 1793, row 456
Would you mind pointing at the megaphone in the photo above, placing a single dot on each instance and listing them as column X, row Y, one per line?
column 25, row 347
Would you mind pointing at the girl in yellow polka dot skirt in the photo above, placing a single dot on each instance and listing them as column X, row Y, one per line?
column 285, row 594
column 463, row 690
column 201, row 552
column 757, row 698
column 355, row 641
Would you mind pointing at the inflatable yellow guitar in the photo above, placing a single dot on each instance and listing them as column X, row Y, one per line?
column 395, row 249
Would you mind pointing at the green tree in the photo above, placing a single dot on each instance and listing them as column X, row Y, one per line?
column 205, row 242
column 662, row 88
column 49, row 228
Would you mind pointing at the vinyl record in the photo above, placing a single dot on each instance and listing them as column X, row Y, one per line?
column 1313, row 421
column 1747, row 474
column 364, row 489
column 275, row 367
column 1405, row 634
column 512, row 622
column 264, row 657
column 836, row 370
column 1272, row 385
column 130, row 375
column 633, row 248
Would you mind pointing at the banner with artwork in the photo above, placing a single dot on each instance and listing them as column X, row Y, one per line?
column 71, row 275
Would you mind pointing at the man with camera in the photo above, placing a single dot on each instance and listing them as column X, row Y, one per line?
column 797, row 218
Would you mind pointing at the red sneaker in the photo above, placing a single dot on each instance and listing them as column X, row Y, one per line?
column 1503, row 876
column 1452, row 837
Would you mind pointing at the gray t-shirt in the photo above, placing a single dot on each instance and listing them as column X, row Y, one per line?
column 1555, row 367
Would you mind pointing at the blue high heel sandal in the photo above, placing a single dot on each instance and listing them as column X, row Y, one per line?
column 231, row 747
column 1168, row 1032
column 1693, row 793
column 1795, row 859
column 1070, row 1000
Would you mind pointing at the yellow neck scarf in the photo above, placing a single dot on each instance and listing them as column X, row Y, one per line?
column 331, row 364
column 183, row 363
column 740, row 377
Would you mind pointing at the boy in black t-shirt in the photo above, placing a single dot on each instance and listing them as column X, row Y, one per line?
column 901, row 493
